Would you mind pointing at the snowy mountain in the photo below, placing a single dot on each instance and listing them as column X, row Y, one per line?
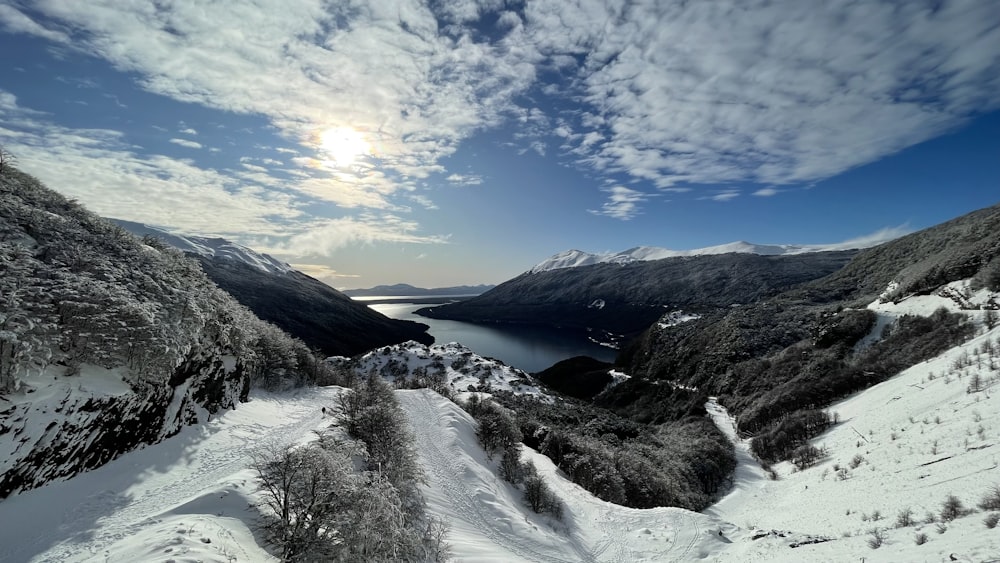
column 305, row 307
column 915, row 439
column 613, row 302
column 108, row 344
column 578, row 258
column 208, row 247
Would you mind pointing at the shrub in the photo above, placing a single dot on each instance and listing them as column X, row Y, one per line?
column 877, row 538
column 951, row 508
column 785, row 437
column 991, row 500
column 539, row 497
column 806, row 456
column 512, row 469
column 991, row 520
column 905, row 518
column 920, row 538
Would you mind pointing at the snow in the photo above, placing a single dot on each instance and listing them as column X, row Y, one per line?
column 461, row 367
column 577, row 258
column 159, row 503
column 210, row 247
column 918, row 437
column 490, row 522
column 675, row 318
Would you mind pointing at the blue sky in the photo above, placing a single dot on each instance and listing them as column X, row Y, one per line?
column 462, row 142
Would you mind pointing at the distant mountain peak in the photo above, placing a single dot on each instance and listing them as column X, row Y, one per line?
column 211, row 247
column 407, row 290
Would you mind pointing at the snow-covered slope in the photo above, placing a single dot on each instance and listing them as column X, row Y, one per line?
column 209, row 247
column 577, row 258
column 184, row 499
column 904, row 444
column 907, row 443
column 489, row 521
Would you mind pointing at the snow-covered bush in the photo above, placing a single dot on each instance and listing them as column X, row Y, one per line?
column 991, row 500
column 952, row 508
column 876, row 538
column 905, row 518
column 991, row 520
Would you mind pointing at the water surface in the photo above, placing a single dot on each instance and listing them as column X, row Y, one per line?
column 531, row 349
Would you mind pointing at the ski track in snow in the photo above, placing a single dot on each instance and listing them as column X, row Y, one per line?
column 203, row 455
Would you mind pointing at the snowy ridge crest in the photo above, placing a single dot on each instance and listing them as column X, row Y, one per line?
column 577, row 258
column 211, row 247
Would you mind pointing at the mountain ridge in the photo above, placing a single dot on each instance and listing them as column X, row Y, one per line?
column 316, row 313
column 212, row 247
column 577, row 258
column 625, row 299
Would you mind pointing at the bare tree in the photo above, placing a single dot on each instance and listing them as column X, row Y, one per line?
column 308, row 491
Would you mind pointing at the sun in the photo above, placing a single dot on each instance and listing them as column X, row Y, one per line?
column 343, row 146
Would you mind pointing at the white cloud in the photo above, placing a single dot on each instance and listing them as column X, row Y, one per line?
column 95, row 166
column 15, row 21
column 725, row 195
column 779, row 92
column 385, row 69
column 878, row 237
column 326, row 237
column 676, row 93
column 623, row 203
column 465, row 179
column 186, row 143
column 766, row 192
column 322, row 272
column 188, row 131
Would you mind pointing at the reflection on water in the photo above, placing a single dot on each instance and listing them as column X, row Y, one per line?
column 531, row 349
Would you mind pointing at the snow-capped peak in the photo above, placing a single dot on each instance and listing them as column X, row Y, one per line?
column 576, row 258
column 209, row 246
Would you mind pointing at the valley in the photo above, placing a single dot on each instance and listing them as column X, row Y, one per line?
column 751, row 424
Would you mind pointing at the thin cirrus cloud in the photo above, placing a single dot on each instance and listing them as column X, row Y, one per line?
column 680, row 95
column 623, row 203
column 186, row 143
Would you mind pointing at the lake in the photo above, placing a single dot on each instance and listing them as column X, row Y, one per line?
column 530, row 349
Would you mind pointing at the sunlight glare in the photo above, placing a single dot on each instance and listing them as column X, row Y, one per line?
column 344, row 145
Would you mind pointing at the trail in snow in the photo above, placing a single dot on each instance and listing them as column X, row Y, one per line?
column 748, row 477
column 470, row 496
column 81, row 517
column 489, row 521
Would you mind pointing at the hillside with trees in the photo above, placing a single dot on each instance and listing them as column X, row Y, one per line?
column 774, row 362
column 625, row 299
column 109, row 342
column 308, row 309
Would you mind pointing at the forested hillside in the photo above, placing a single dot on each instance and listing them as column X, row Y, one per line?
column 624, row 299
column 776, row 361
column 308, row 309
column 108, row 341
